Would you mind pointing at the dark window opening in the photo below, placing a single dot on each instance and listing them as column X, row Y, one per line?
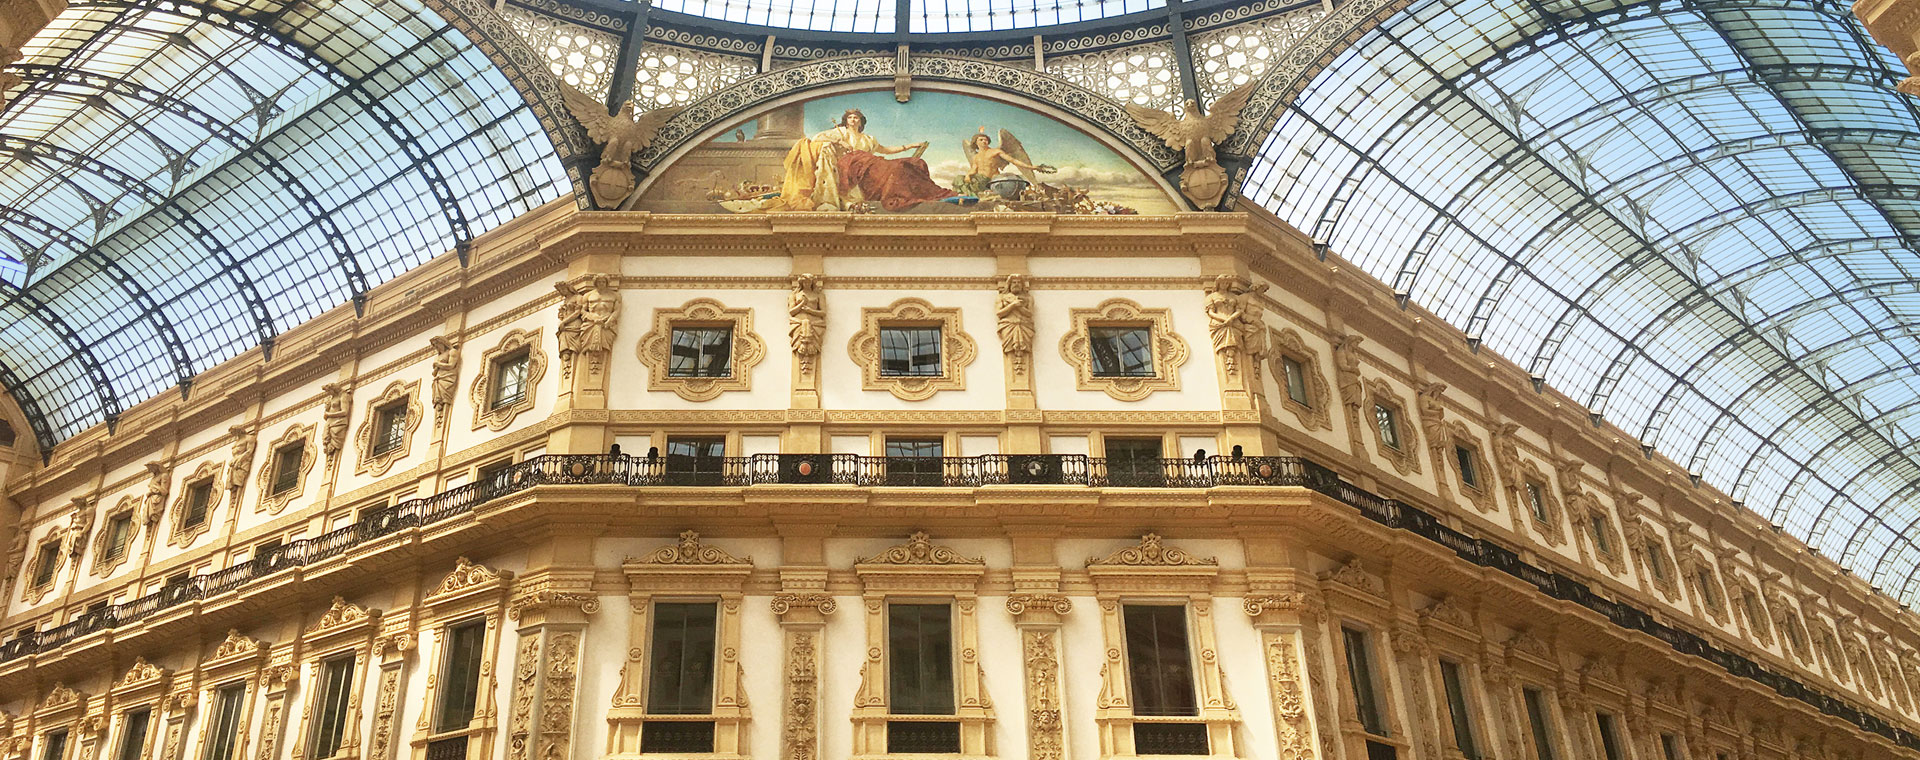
column 460, row 674
column 676, row 736
column 1609, row 737
column 330, row 709
column 1600, row 540
column 1387, row 420
column 701, row 352
column 910, row 351
column 56, row 745
column 915, row 461
column 1121, row 351
column 46, row 563
column 680, row 676
column 1366, row 696
column 1657, row 559
column 390, row 428
column 223, row 728
column 1159, row 660
column 1135, row 462
column 920, row 659
column 133, row 735
column 1537, row 720
column 199, row 501
column 509, row 380
column 923, row 737
column 1537, row 501
column 696, row 460
column 1670, row 747
column 1463, row 738
column 1469, row 474
column 1296, row 377
column 286, row 467
column 1171, row 739
column 119, row 534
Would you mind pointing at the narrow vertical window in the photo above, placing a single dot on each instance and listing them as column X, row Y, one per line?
column 56, row 746
column 286, row 467
column 1537, row 500
column 1598, row 522
column 1670, row 747
column 920, row 677
column 119, row 534
column 680, row 678
column 1366, row 696
column 199, row 496
column 223, row 726
column 390, row 429
column 1468, row 473
column 460, row 675
column 46, row 563
column 133, row 735
column 1160, row 670
column 1707, row 595
column 330, row 708
column 1657, row 560
column 1296, row 377
column 1537, row 720
column 509, row 380
column 1463, row 738
column 1609, row 737
column 1387, row 419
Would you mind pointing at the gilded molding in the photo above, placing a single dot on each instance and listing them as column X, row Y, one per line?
column 339, row 614
column 272, row 503
column 397, row 392
column 957, row 349
column 1289, row 699
column 1169, row 349
column 689, row 551
column 1019, row 603
column 498, row 418
column 656, row 349
column 1045, row 740
column 1317, row 413
column 1405, row 457
column 1151, row 553
column 543, row 599
column 920, row 550
column 785, row 602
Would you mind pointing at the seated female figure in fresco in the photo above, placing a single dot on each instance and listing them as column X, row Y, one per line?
column 843, row 167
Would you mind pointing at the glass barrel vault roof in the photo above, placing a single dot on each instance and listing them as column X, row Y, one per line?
column 181, row 181
column 1697, row 217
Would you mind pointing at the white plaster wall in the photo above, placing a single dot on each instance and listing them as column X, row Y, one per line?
column 897, row 268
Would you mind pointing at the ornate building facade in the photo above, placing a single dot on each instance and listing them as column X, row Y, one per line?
column 770, row 432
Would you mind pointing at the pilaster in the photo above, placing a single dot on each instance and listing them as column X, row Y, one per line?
column 551, row 609
column 1289, row 646
column 802, row 607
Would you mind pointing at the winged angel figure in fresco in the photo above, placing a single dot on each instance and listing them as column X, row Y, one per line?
column 984, row 162
column 1203, row 181
column 621, row 133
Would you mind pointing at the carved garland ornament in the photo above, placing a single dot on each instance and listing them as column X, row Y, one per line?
column 656, row 349
column 1405, row 457
column 466, row 574
column 1316, row 413
column 396, row 393
column 920, row 550
column 487, row 416
column 272, row 503
column 957, row 349
column 205, row 473
column 340, row 613
column 1169, row 349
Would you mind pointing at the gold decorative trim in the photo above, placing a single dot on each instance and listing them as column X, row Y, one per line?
column 1649, row 548
column 466, row 575
column 1317, row 413
column 272, row 503
column 377, row 465
column 497, row 419
column 30, row 592
column 656, row 349
column 1405, row 458
column 691, row 552
column 1481, row 495
column 957, row 349
column 102, row 564
column 686, row 571
column 1169, row 349
column 1753, row 610
column 1553, row 529
column 920, row 550
column 1353, row 574
column 236, row 644
column 340, row 614
column 1151, row 553
column 206, row 472
column 140, row 673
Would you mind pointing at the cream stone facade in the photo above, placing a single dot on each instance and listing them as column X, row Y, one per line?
column 1556, row 568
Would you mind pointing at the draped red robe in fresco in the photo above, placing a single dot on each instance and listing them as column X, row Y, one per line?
column 896, row 183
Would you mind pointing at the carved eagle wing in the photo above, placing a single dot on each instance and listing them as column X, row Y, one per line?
column 602, row 127
column 1160, row 124
column 1224, row 115
column 649, row 123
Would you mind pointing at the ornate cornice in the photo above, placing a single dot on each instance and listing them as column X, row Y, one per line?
column 919, row 550
column 691, row 552
column 1151, row 553
column 341, row 614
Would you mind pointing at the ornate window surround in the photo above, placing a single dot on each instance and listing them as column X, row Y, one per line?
column 957, row 349
column 656, row 349
column 1170, row 351
column 1759, row 627
column 143, row 686
column 1553, row 529
column 497, row 420
column 1613, row 558
column 1151, row 572
column 30, row 592
column 1787, row 618
column 920, row 570
column 396, row 392
column 345, row 628
column 1318, row 416
column 471, row 591
column 1406, row 458
column 1692, row 562
column 1357, row 599
column 128, row 506
column 687, row 571
column 1450, row 632
column 1482, row 495
column 207, row 472
column 272, row 503
column 1641, row 541
column 62, row 708
column 242, row 659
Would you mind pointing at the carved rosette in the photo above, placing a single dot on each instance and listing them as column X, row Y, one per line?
column 1289, row 698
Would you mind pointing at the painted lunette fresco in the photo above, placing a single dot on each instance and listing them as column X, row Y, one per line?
column 940, row 153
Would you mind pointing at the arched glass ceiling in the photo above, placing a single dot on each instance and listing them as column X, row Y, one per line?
column 924, row 16
column 1697, row 217
column 181, row 181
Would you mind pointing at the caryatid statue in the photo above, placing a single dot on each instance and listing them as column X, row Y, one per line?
column 589, row 320
column 333, row 437
column 241, row 460
column 1015, row 312
column 806, row 319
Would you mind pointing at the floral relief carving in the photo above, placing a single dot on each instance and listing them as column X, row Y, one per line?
column 920, row 550
column 61, row 696
column 1289, row 701
column 1353, row 574
column 689, row 551
column 140, row 672
column 1403, row 451
column 488, row 416
column 237, row 644
column 542, row 599
column 1169, row 349
column 746, row 351
column 957, row 349
column 1317, row 412
column 526, row 670
column 1019, row 603
column 1044, row 739
column 272, row 503
column 467, row 574
column 785, row 602
column 1151, row 553
column 204, row 473
column 556, row 705
column 380, row 748
column 340, row 613
column 397, row 393
column 1449, row 612
column 801, row 728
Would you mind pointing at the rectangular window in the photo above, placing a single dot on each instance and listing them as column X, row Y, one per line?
column 119, row 534
column 56, row 745
column 1366, row 696
column 1537, row 501
column 1160, row 660
column 286, row 467
column 1609, row 737
column 133, row 735
column 680, row 670
column 330, row 708
column 1670, row 747
column 493, row 474
column 390, row 428
column 915, row 461
column 460, row 674
column 910, row 351
column 696, row 460
column 1468, row 473
column 1752, row 607
column 1537, row 719
column 920, row 659
column 199, row 497
column 1387, row 419
column 1121, row 351
column 46, row 563
column 701, row 352
column 223, row 726
column 1598, row 522
column 1657, row 559
column 509, row 381
column 1296, row 377
column 1457, row 706
column 1135, row 462
column 1707, row 596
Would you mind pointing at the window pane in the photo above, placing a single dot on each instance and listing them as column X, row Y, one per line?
column 1468, row 474
column 1457, row 707
column 392, row 428
column 1537, row 718
column 199, row 495
column 910, row 351
column 696, row 460
column 1135, row 462
column 119, row 530
column 1121, row 351
column 1159, row 662
column 680, row 679
column 1669, row 747
column 701, row 352
column 460, row 674
column 223, row 729
column 56, row 747
column 133, row 736
column 286, row 467
column 1360, row 675
column 915, row 461
column 920, row 659
column 333, row 690
column 1599, row 524
column 1296, row 380
column 1388, row 421
column 45, row 565
column 509, row 380
column 1537, row 501
column 1609, row 741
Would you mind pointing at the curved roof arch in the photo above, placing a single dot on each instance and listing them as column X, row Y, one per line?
column 185, row 179
column 1697, row 217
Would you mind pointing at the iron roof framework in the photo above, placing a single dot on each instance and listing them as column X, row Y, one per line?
column 1696, row 217
column 181, row 181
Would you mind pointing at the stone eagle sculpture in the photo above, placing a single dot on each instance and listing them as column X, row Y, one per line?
column 1202, row 181
column 622, row 135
